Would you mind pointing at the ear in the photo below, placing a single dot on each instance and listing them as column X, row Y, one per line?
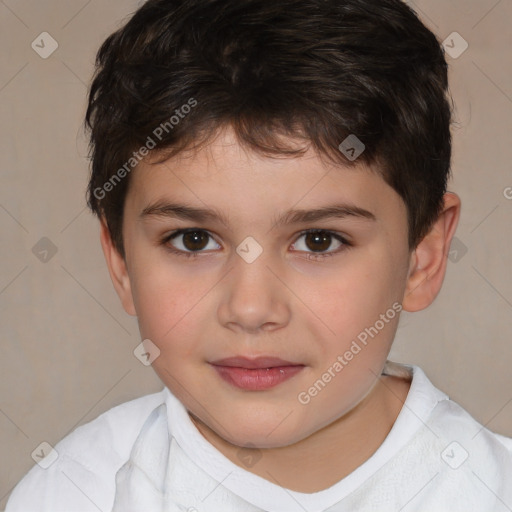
column 429, row 259
column 117, row 269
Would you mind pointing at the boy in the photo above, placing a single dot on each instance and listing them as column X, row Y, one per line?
column 229, row 138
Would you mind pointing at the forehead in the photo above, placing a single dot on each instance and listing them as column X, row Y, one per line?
column 227, row 175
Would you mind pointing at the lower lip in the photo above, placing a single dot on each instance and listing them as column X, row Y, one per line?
column 257, row 379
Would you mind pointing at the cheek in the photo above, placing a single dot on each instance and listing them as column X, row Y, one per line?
column 350, row 296
column 166, row 302
column 351, row 302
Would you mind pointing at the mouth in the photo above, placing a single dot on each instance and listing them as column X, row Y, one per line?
column 255, row 374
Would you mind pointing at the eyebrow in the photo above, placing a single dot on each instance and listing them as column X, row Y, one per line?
column 185, row 212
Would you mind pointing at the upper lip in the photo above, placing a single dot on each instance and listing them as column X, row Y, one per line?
column 256, row 362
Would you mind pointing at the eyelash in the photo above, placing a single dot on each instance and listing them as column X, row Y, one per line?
column 310, row 256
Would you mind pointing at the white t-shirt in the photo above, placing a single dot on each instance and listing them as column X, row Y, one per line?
column 436, row 458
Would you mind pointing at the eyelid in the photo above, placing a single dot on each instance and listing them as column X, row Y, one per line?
column 167, row 238
column 319, row 256
column 338, row 236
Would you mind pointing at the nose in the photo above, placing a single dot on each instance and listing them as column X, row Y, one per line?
column 254, row 296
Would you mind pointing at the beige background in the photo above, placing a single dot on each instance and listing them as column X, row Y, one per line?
column 67, row 344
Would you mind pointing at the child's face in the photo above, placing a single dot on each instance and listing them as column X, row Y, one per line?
column 283, row 305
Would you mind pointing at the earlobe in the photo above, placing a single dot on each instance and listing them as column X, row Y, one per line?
column 117, row 269
column 428, row 261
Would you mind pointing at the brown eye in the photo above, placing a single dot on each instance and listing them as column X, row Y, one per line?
column 195, row 240
column 191, row 241
column 318, row 241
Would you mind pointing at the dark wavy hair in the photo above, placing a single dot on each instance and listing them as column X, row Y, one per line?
column 314, row 70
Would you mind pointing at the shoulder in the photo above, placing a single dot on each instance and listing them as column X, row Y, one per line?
column 113, row 431
column 469, row 466
column 434, row 409
column 505, row 441
column 452, row 421
column 469, row 463
column 83, row 475
column 472, row 464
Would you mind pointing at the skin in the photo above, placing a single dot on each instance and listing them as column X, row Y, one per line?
column 307, row 311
